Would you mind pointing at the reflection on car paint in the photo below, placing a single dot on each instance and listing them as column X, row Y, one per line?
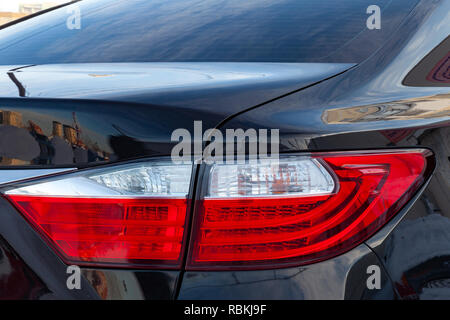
column 437, row 106
column 63, row 145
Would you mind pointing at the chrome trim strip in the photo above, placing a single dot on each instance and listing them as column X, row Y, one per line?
column 12, row 175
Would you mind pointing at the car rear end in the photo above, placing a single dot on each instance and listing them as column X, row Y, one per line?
column 315, row 159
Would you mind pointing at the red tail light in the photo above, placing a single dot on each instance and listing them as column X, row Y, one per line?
column 132, row 231
column 274, row 230
column 268, row 214
column 130, row 215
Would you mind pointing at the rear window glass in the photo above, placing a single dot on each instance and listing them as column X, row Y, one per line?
column 199, row 30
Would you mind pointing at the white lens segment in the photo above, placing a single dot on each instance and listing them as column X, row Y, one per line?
column 148, row 180
column 144, row 179
column 288, row 176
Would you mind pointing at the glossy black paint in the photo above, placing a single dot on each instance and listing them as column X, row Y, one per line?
column 343, row 277
column 113, row 284
column 18, row 281
column 366, row 107
column 206, row 31
column 112, row 112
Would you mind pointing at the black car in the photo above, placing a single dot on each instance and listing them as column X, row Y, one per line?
column 225, row 149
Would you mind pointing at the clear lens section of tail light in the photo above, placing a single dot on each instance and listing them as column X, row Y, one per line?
column 287, row 176
column 303, row 209
column 133, row 215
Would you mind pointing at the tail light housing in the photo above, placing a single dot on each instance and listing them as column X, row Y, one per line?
column 300, row 209
column 126, row 215
column 296, row 210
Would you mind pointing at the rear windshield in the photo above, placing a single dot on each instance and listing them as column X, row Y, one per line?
column 202, row 30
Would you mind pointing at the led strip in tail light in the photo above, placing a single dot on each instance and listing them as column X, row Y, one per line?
column 302, row 209
column 127, row 215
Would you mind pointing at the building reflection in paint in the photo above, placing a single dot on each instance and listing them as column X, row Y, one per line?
column 25, row 143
